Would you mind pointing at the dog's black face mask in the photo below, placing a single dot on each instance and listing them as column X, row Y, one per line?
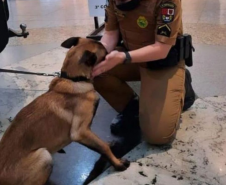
column 128, row 5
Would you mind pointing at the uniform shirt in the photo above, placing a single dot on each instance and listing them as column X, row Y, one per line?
column 152, row 20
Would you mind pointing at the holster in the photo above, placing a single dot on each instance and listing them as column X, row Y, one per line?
column 170, row 61
column 188, row 50
column 182, row 50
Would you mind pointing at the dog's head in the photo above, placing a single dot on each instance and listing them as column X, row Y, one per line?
column 82, row 56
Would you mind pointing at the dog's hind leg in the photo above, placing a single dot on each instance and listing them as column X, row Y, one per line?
column 36, row 168
column 90, row 140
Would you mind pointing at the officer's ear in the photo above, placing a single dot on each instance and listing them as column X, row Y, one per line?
column 73, row 41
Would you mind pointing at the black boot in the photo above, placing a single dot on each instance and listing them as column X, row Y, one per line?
column 128, row 119
column 189, row 92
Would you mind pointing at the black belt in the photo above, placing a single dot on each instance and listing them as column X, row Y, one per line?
column 181, row 51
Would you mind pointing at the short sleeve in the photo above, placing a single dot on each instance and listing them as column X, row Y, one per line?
column 169, row 21
column 111, row 22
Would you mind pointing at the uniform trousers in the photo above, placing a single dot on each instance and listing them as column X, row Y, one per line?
column 161, row 97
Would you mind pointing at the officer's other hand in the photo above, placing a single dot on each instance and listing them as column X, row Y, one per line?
column 111, row 60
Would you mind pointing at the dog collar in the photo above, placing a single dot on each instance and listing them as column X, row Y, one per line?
column 74, row 79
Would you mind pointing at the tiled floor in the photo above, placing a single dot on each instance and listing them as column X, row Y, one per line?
column 51, row 21
column 196, row 157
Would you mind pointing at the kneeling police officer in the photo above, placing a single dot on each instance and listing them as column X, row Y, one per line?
column 156, row 53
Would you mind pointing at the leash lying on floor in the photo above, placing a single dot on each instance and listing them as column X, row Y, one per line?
column 29, row 73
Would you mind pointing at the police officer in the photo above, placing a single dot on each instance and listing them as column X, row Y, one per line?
column 149, row 30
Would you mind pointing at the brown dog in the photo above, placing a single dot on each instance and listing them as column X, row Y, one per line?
column 55, row 119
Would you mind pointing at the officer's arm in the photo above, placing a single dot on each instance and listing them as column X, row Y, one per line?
column 111, row 34
column 110, row 39
column 152, row 52
column 169, row 22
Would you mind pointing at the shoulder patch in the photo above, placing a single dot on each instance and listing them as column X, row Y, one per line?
column 167, row 11
column 164, row 30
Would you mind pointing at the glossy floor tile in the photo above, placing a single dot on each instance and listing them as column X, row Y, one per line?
column 15, row 54
column 49, row 35
column 48, row 62
column 11, row 101
column 207, row 73
column 217, row 101
column 197, row 156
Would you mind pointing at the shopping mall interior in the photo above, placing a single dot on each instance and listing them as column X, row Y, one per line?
column 197, row 156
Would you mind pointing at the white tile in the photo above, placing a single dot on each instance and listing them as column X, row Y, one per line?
column 217, row 101
column 208, row 74
column 25, row 18
column 206, row 89
column 32, row 8
column 197, row 156
column 30, row 24
column 47, row 62
column 15, row 54
column 7, row 82
column 11, row 102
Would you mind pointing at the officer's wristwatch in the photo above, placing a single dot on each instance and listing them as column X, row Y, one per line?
column 128, row 58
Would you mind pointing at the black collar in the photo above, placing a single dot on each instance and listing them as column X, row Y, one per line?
column 74, row 79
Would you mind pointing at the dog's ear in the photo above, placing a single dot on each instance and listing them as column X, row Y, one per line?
column 88, row 58
column 73, row 41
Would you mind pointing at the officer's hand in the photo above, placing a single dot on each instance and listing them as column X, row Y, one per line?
column 111, row 60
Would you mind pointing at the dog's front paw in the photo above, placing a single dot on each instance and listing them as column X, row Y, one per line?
column 124, row 164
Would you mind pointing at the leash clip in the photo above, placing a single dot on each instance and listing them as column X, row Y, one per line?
column 57, row 74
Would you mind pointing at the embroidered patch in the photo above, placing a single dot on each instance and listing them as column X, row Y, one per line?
column 142, row 22
column 167, row 12
column 164, row 30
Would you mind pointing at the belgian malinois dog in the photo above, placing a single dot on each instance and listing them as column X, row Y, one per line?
column 55, row 119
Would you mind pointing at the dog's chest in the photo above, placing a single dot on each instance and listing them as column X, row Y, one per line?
column 85, row 110
column 88, row 103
